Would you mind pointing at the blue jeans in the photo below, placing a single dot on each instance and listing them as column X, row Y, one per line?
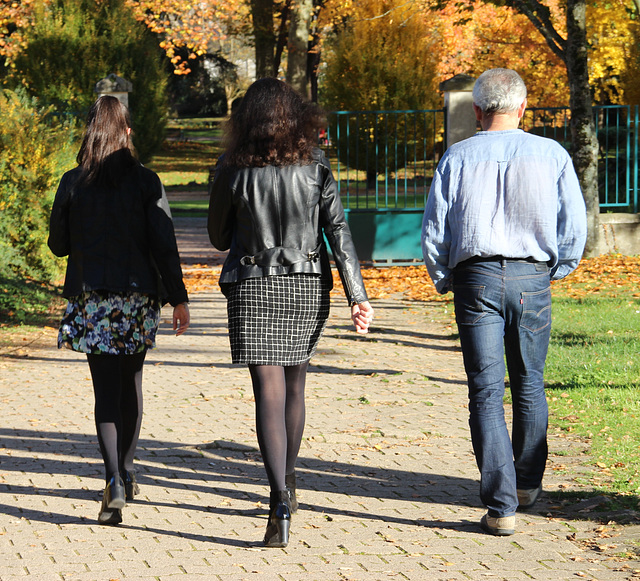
column 503, row 307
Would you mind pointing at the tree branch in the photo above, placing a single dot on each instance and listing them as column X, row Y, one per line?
column 540, row 17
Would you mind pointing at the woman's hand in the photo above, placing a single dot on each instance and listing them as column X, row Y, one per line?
column 181, row 318
column 362, row 315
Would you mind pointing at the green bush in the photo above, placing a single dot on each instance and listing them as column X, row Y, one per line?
column 75, row 43
column 384, row 63
column 36, row 147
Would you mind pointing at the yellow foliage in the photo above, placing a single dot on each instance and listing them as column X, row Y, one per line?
column 495, row 36
column 613, row 49
column 381, row 59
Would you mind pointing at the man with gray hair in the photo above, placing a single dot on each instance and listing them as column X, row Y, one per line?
column 504, row 216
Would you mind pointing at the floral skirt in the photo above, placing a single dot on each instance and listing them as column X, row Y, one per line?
column 101, row 322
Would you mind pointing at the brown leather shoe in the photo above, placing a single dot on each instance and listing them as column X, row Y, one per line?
column 527, row 497
column 501, row 526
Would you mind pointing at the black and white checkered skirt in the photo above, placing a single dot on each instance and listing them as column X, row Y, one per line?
column 276, row 320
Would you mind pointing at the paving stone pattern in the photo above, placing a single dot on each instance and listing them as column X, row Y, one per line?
column 388, row 483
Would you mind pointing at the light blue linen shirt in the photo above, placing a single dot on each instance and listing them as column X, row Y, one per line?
column 504, row 193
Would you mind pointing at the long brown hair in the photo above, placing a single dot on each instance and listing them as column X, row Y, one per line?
column 107, row 152
column 273, row 125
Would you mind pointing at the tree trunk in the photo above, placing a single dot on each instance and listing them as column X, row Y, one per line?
column 313, row 60
column 298, row 47
column 583, row 134
column 283, row 34
column 313, row 65
column 265, row 40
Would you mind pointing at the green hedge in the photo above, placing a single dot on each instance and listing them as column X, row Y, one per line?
column 75, row 43
column 36, row 148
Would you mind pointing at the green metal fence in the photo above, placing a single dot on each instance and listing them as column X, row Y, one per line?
column 618, row 142
column 385, row 159
column 384, row 163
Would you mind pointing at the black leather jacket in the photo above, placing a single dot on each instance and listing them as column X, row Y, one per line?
column 118, row 239
column 272, row 221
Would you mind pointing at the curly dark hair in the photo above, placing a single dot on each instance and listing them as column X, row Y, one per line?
column 273, row 125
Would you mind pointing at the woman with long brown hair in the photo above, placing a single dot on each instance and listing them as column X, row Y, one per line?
column 111, row 218
column 273, row 198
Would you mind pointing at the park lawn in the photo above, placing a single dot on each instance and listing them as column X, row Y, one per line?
column 196, row 208
column 593, row 378
column 185, row 165
column 593, row 370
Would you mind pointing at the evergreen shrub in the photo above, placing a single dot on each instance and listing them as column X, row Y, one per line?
column 36, row 148
column 76, row 43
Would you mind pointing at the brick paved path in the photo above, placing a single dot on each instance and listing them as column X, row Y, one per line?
column 388, row 481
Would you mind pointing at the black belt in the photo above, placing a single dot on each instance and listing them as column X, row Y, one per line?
column 498, row 258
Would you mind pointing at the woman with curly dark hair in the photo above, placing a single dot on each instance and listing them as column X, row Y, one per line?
column 273, row 198
column 111, row 218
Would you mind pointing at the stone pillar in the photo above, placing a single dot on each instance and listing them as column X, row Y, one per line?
column 115, row 86
column 458, row 100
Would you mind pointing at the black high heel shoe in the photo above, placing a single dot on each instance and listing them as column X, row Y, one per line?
column 290, row 483
column 277, row 534
column 131, row 487
column 113, row 500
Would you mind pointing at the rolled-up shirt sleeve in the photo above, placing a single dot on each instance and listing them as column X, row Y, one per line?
column 572, row 223
column 436, row 235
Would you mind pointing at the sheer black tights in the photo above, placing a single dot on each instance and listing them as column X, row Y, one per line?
column 280, row 416
column 117, row 385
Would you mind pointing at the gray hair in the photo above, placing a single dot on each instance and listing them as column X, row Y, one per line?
column 499, row 91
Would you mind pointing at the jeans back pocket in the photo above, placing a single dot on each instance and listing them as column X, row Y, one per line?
column 536, row 310
column 468, row 300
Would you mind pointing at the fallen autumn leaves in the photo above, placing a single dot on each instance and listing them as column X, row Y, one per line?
column 612, row 275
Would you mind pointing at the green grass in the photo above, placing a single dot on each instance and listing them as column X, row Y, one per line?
column 185, row 164
column 593, row 377
column 190, row 208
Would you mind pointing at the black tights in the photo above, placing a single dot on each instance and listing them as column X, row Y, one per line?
column 280, row 415
column 117, row 385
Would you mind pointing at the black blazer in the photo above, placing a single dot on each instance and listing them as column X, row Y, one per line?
column 272, row 221
column 117, row 239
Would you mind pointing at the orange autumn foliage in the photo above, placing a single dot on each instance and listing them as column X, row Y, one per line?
column 192, row 24
column 493, row 36
column 610, row 275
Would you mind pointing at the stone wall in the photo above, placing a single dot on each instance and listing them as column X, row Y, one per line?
column 619, row 233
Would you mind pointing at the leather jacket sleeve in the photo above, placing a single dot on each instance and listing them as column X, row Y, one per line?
column 336, row 229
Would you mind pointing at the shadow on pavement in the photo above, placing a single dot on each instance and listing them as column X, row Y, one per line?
column 218, row 467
